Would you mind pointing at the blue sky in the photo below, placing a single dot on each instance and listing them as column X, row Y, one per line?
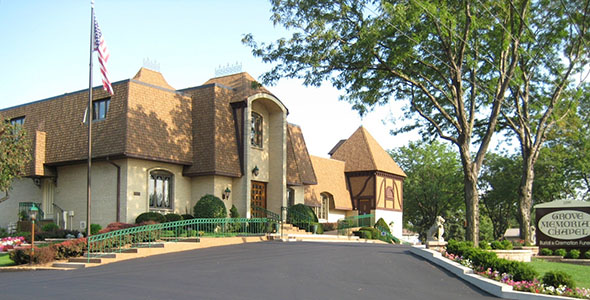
column 45, row 53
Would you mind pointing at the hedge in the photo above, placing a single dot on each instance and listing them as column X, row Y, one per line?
column 484, row 259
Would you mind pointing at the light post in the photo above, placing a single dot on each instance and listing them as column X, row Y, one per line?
column 33, row 215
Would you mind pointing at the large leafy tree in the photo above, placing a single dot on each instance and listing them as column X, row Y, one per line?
column 451, row 61
column 554, row 48
column 14, row 153
column 432, row 187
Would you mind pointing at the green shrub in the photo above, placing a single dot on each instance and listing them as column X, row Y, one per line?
column 187, row 216
column 173, row 217
column 507, row 245
column 557, row 278
column 167, row 233
column 3, row 233
column 485, row 245
column 573, row 254
column 21, row 256
column 485, row 259
column 302, row 216
column 71, row 248
column 210, row 206
column 496, row 245
column 586, row 254
column 560, row 252
column 330, row 226
column 95, row 228
column 363, row 234
column 150, row 216
column 546, row 252
column 382, row 226
column 50, row 227
column 233, row 212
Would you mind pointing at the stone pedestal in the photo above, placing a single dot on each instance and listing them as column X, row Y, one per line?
column 436, row 245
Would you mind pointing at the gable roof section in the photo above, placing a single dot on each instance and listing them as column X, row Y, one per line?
column 361, row 152
column 331, row 179
column 153, row 78
column 242, row 84
column 299, row 167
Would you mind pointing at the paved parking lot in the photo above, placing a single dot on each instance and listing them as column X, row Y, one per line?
column 268, row 270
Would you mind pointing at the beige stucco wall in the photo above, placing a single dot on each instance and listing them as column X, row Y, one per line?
column 213, row 185
column 137, row 173
column 382, row 184
column 299, row 194
column 334, row 215
column 23, row 190
column 71, row 193
column 272, row 159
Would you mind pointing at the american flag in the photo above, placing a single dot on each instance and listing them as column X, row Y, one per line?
column 103, row 56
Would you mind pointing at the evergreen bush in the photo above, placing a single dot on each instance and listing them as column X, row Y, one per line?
column 573, row 254
column 560, row 252
column 546, row 252
column 173, row 217
column 485, row 245
column 587, row 254
column 233, row 212
column 210, row 206
column 302, row 216
column 187, row 216
column 95, row 228
column 150, row 216
column 557, row 278
column 50, row 227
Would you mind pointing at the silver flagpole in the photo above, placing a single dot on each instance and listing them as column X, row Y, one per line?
column 89, row 118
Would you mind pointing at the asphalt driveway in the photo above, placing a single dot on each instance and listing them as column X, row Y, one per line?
column 268, row 270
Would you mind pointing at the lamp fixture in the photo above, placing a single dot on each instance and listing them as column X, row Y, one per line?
column 255, row 171
column 226, row 193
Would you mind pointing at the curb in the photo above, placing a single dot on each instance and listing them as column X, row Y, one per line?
column 490, row 286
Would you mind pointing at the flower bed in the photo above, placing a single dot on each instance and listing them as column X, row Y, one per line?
column 8, row 243
column 522, row 279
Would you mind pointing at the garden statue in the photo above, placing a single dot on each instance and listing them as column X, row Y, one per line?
column 435, row 233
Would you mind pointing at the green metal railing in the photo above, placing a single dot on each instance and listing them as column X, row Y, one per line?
column 24, row 210
column 353, row 222
column 298, row 219
column 145, row 236
column 261, row 212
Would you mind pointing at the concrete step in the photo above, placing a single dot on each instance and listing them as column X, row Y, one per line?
column 101, row 255
column 85, row 260
column 148, row 245
column 69, row 265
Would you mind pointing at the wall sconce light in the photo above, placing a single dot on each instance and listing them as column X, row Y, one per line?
column 226, row 193
column 255, row 171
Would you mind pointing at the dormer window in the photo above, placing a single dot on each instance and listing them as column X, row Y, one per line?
column 256, row 130
column 100, row 109
column 18, row 121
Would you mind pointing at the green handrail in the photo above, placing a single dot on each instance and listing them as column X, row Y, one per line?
column 144, row 236
column 262, row 212
column 298, row 219
column 354, row 221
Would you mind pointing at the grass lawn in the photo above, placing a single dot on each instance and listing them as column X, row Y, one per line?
column 5, row 261
column 578, row 272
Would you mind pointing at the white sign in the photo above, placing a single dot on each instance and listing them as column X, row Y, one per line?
column 565, row 224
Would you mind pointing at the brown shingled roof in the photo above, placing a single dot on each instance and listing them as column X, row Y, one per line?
column 152, row 77
column 361, row 152
column 243, row 84
column 299, row 167
column 331, row 179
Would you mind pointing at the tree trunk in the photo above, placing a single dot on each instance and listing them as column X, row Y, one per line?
column 471, row 195
column 525, row 194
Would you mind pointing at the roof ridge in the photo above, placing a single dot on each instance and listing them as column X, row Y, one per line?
column 368, row 145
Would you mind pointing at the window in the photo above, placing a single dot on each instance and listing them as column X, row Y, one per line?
column 100, row 109
column 290, row 197
column 256, row 130
column 160, row 190
column 322, row 211
column 18, row 121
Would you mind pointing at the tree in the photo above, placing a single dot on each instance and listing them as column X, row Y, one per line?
column 553, row 49
column 14, row 153
column 499, row 183
column 451, row 61
column 432, row 187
